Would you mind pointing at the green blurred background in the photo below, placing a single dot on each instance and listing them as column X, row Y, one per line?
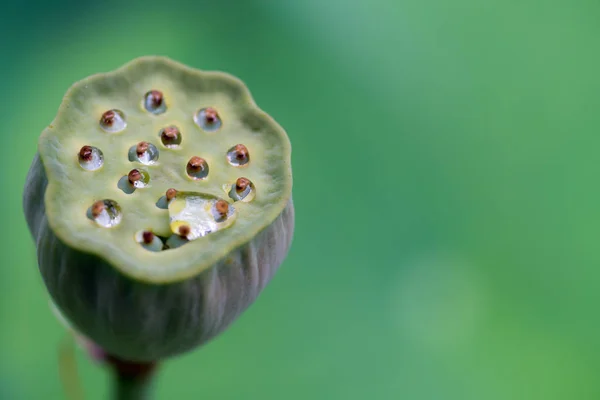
column 445, row 164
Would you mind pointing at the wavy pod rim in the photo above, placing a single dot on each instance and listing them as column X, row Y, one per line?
column 190, row 262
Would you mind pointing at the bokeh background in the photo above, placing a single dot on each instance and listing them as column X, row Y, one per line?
column 445, row 164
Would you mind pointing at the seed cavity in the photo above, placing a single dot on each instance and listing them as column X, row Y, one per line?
column 113, row 121
column 197, row 168
column 242, row 190
column 175, row 241
column 144, row 152
column 170, row 137
column 220, row 210
column 201, row 213
column 138, row 178
column 164, row 201
column 90, row 158
column 135, row 179
column 208, row 119
column 149, row 241
column 238, row 155
column 106, row 213
column 154, row 102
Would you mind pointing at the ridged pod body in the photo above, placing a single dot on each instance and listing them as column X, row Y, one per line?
column 154, row 229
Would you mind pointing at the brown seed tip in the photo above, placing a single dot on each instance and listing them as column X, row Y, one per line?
column 241, row 184
column 97, row 208
column 156, row 98
column 222, row 207
column 171, row 193
column 184, row 230
column 170, row 132
column 134, row 176
column 108, row 118
column 196, row 163
column 86, row 153
column 210, row 115
column 147, row 237
column 141, row 148
column 241, row 151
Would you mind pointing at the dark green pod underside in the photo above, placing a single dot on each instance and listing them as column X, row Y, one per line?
column 144, row 321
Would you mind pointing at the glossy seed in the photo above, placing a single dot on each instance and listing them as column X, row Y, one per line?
column 208, row 119
column 86, row 153
column 97, row 208
column 113, row 121
column 154, row 102
column 144, row 152
column 222, row 207
column 141, row 148
column 171, row 193
column 238, row 155
column 241, row 184
column 147, row 237
column 105, row 213
column 197, row 168
column 241, row 190
column 170, row 136
column 184, row 230
column 134, row 176
column 90, row 158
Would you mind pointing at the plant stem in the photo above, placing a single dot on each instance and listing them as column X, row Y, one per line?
column 128, row 388
column 131, row 380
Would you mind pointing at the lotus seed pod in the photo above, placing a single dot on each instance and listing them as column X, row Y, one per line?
column 160, row 202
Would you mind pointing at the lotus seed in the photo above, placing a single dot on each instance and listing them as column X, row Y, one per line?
column 113, row 121
column 197, row 168
column 208, row 119
column 171, row 137
column 147, row 237
column 221, row 208
column 106, row 213
column 98, row 208
column 90, row 158
column 171, row 193
column 242, row 190
column 238, row 155
column 149, row 241
column 154, row 102
column 138, row 178
column 184, row 230
column 144, row 153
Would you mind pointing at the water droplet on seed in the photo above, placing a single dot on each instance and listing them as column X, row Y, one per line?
column 154, row 102
column 113, row 121
column 201, row 213
column 138, row 178
column 170, row 137
column 242, row 190
column 106, row 213
column 197, row 168
column 144, row 152
column 208, row 119
column 90, row 158
column 238, row 155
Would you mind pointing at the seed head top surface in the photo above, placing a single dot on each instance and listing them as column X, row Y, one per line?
column 236, row 119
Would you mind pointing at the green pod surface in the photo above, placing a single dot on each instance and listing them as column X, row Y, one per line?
column 98, row 205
